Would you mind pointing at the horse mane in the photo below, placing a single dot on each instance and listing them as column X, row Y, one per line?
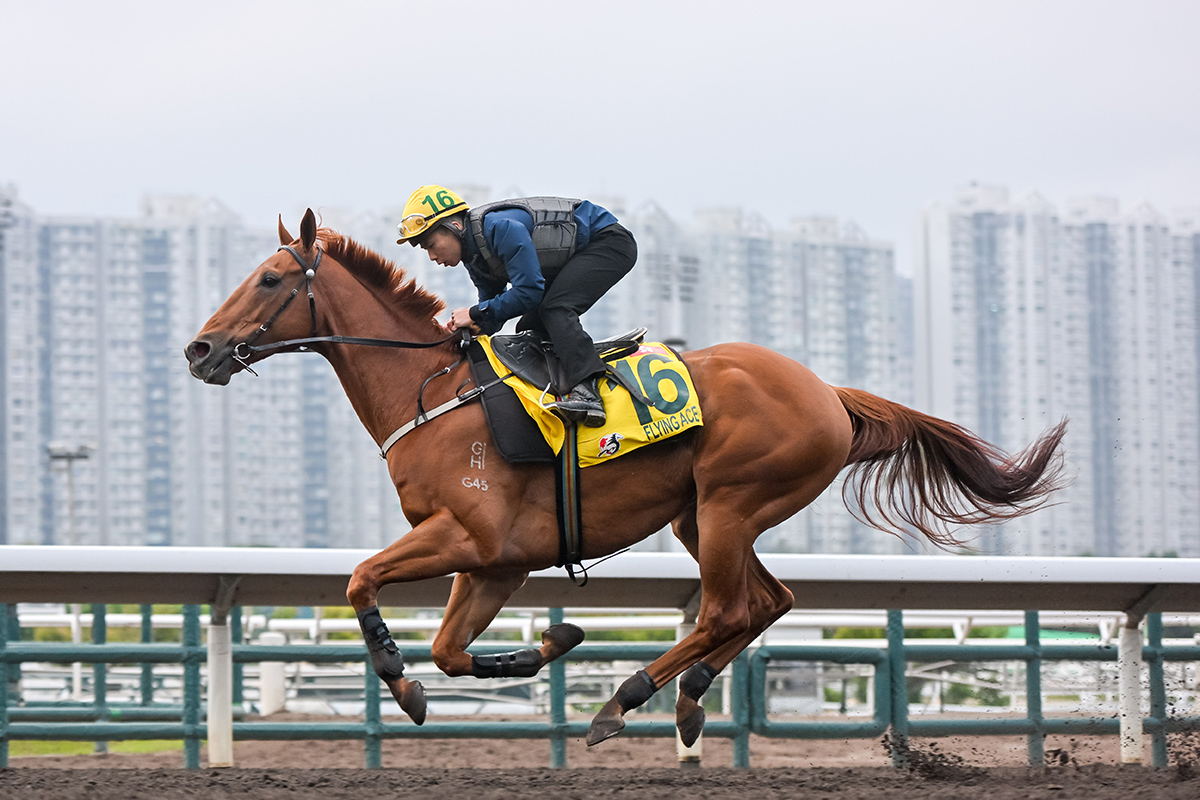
column 377, row 271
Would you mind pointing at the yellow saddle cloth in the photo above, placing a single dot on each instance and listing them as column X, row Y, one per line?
column 630, row 424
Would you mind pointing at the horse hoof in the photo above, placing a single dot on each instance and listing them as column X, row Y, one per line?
column 607, row 724
column 559, row 639
column 410, row 695
column 689, row 719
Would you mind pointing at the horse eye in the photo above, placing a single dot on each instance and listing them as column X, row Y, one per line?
column 269, row 280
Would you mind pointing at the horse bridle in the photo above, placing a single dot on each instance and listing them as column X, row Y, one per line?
column 243, row 351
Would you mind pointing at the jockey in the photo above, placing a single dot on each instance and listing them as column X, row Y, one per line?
column 545, row 259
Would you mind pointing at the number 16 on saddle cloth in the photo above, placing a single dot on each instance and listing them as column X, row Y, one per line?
column 663, row 378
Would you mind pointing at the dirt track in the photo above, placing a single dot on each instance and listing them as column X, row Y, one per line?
column 629, row 768
column 999, row 783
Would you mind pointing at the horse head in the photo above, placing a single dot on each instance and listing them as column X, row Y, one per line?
column 269, row 306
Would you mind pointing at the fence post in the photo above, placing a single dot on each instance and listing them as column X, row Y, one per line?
column 272, row 683
column 147, row 680
column 558, row 703
column 191, row 687
column 220, row 695
column 3, row 687
column 237, row 635
column 1036, row 740
column 1129, row 670
column 1158, row 691
column 100, row 669
column 741, row 709
column 220, row 674
column 14, row 669
column 896, row 662
column 689, row 757
column 372, row 742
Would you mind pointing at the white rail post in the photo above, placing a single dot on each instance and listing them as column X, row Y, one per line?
column 220, row 676
column 689, row 757
column 272, row 688
column 1129, row 670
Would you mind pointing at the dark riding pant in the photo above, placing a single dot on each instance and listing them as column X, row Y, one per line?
column 574, row 289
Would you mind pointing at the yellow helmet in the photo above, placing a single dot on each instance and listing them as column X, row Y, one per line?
column 425, row 207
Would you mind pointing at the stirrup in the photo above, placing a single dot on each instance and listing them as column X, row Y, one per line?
column 586, row 410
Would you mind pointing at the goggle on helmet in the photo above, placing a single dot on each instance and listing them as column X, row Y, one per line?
column 426, row 207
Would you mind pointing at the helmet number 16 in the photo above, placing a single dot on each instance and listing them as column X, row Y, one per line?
column 444, row 201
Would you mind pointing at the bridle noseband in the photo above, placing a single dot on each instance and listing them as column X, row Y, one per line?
column 245, row 350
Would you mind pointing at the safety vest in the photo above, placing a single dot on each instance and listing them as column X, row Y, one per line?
column 554, row 230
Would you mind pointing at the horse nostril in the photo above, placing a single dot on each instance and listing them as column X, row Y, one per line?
column 198, row 351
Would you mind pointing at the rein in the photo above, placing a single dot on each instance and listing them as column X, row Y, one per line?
column 244, row 350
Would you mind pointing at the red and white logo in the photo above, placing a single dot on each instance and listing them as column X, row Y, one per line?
column 610, row 443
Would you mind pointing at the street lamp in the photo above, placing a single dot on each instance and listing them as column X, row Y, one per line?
column 60, row 453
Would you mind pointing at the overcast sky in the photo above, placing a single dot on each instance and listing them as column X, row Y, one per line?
column 861, row 110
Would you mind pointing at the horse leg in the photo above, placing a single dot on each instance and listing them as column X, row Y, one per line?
column 724, row 615
column 474, row 602
column 436, row 547
column 769, row 600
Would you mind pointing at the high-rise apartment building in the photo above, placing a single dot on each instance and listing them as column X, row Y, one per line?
column 21, row 454
column 819, row 292
column 96, row 315
column 91, row 337
column 662, row 291
column 1025, row 315
column 832, row 302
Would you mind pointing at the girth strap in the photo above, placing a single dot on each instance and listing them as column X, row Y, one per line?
column 569, row 507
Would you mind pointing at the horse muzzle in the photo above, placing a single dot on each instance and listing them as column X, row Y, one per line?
column 209, row 361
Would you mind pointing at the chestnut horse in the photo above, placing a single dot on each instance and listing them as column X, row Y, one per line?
column 774, row 437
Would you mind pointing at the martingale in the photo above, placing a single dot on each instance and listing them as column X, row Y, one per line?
column 654, row 367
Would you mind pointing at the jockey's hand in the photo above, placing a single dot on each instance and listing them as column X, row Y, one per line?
column 461, row 318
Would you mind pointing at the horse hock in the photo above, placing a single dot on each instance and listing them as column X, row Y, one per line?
column 689, row 714
column 556, row 640
column 631, row 694
column 388, row 663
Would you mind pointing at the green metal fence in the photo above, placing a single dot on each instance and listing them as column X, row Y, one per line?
column 102, row 722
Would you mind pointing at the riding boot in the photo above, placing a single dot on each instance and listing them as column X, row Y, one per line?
column 583, row 405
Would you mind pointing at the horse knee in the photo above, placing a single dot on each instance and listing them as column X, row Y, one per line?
column 363, row 586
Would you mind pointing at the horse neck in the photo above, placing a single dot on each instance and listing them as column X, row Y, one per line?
column 382, row 383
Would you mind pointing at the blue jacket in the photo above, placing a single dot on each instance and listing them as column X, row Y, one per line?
column 508, row 232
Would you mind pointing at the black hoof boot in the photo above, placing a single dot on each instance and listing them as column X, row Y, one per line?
column 689, row 713
column 386, row 658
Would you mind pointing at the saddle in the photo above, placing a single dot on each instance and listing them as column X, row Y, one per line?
column 530, row 358
column 518, row 437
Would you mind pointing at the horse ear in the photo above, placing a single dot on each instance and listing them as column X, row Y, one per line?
column 284, row 236
column 308, row 229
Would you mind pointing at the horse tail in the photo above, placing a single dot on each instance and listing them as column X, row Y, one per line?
column 910, row 471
